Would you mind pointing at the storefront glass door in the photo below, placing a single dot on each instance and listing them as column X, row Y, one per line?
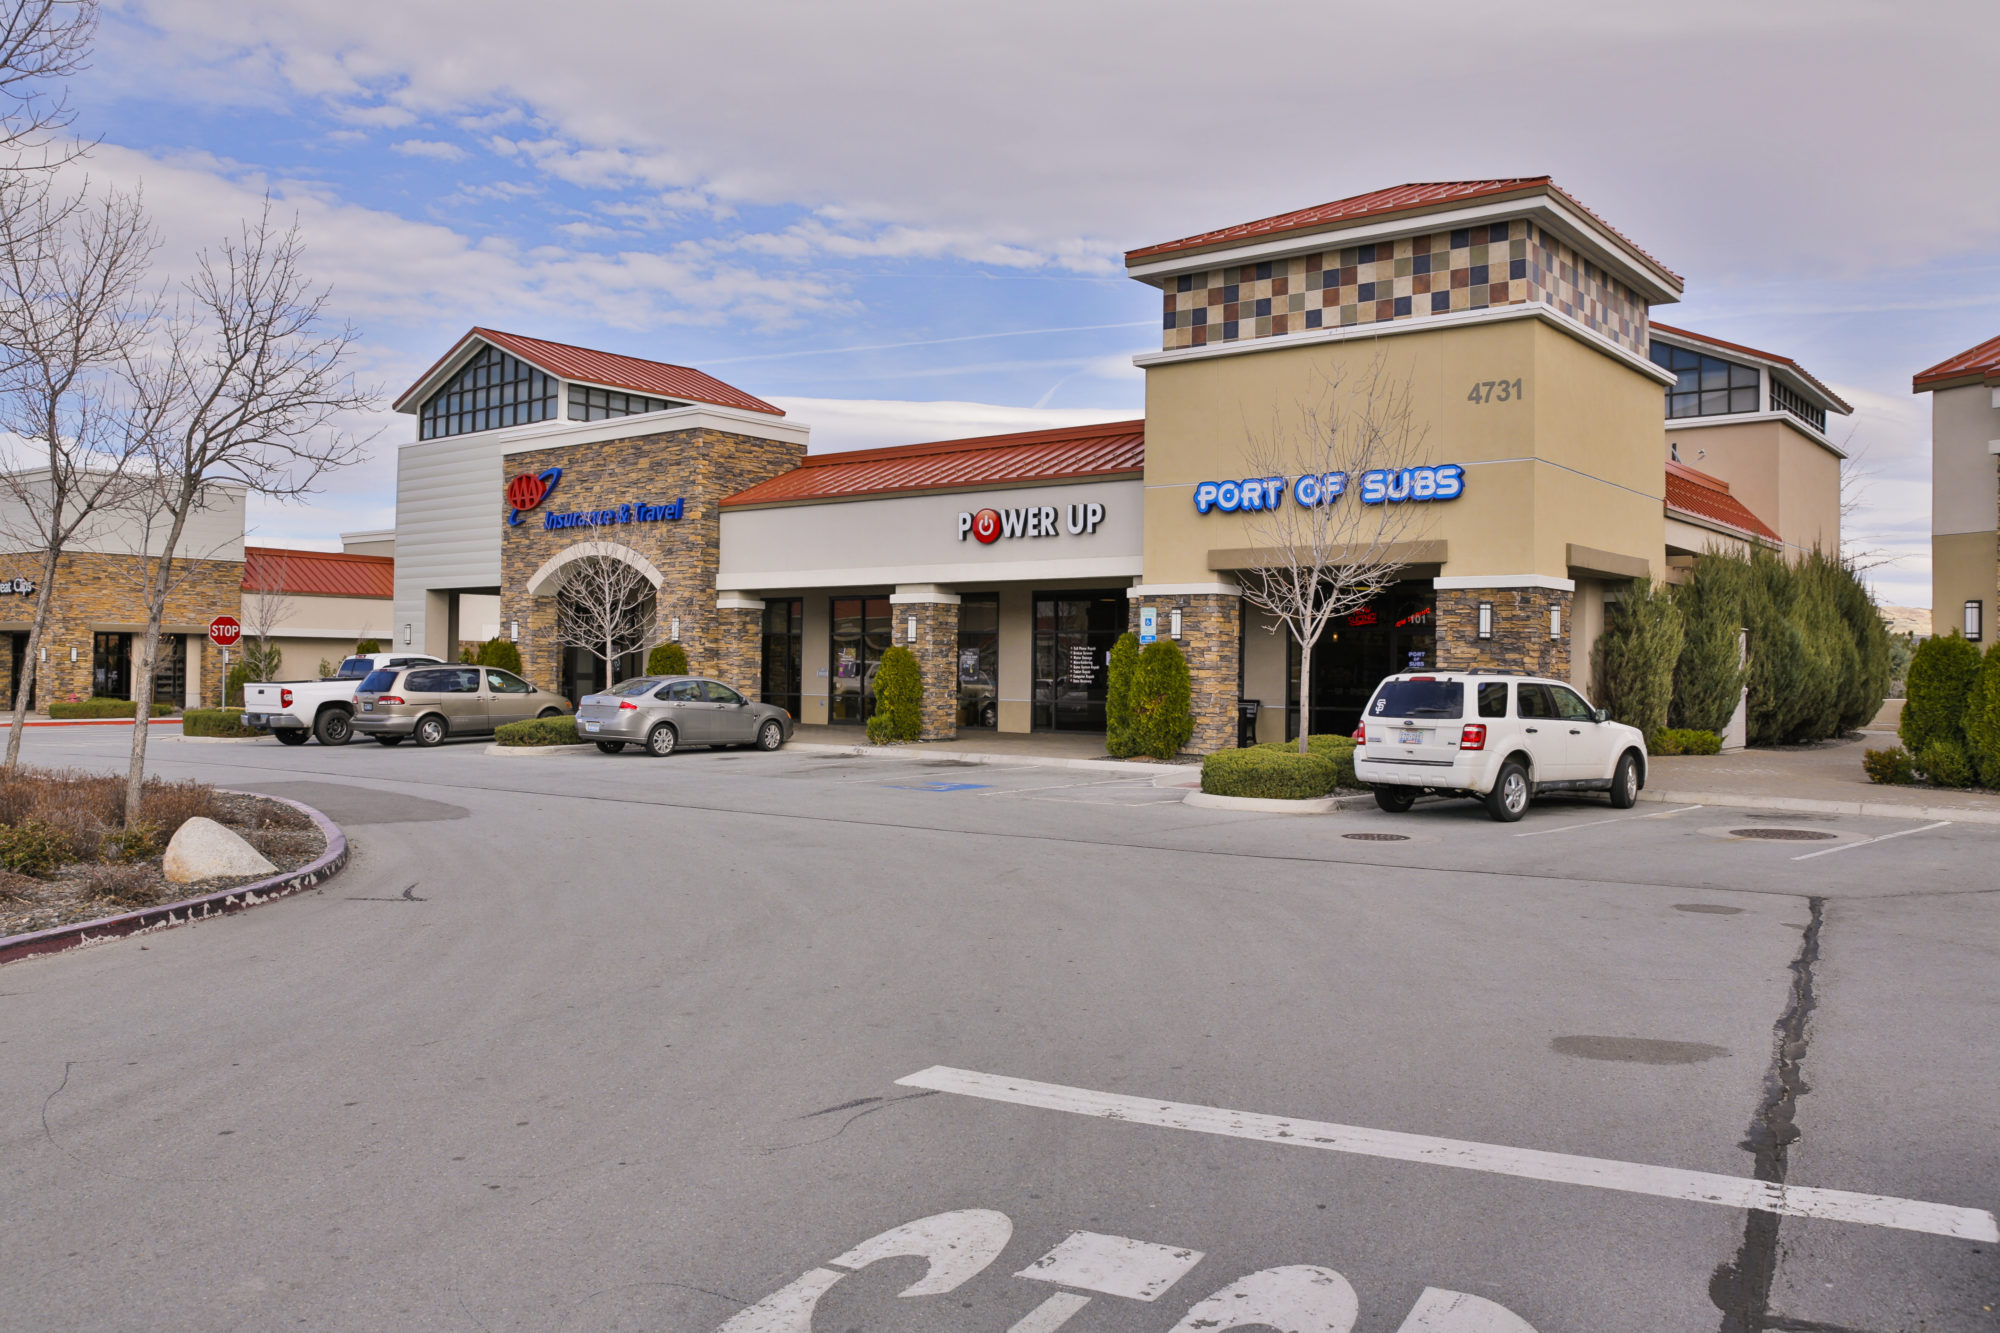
column 111, row 666
column 20, row 662
column 1395, row 632
column 583, row 672
column 170, row 672
column 784, row 653
column 860, row 637
column 979, row 660
column 1074, row 633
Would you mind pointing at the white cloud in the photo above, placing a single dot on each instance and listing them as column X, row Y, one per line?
column 840, row 424
column 431, row 148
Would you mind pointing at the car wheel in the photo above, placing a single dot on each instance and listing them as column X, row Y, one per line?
column 431, row 730
column 388, row 740
column 660, row 741
column 1395, row 799
column 292, row 735
column 550, row 712
column 611, row 747
column 1625, row 783
column 771, row 735
column 334, row 726
column 1508, row 800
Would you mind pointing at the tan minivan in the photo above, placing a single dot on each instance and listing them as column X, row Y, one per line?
column 433, row 702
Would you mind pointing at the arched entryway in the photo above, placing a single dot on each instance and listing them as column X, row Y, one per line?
column 606, row 613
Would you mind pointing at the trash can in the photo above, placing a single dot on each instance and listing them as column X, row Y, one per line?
column 1246, row 721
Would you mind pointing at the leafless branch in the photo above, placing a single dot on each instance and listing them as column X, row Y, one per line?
column 42, row 42
column 606, row 605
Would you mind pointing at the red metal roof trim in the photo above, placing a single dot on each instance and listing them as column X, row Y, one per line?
column 1785, row 361
column 609, row 369
column 1417, row 195
column 276, row 570
column 1973, row 364
column 1067, row 454
column 1699, row 495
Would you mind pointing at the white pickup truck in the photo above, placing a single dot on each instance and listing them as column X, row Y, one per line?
column 293, row 710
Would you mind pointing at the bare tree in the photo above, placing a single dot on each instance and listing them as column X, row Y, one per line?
column 250, row 387
column 41, row 43
column 71, row 313
column 265, row 608
column 1333, row 504
column 606, row 606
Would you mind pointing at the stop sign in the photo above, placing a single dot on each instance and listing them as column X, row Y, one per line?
column 224, row 631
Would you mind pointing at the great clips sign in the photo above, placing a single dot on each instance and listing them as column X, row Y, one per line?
column 1444, row 481
column 530, row 489
column 987, row 526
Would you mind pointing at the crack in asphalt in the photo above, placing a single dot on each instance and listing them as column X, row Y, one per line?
column 1741, row 1289
column 880, row 1103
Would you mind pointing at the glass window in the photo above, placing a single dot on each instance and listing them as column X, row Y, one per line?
column 1535, row 703
column 464, row 681
column 979, row 660
column 1786, row 399
column 590, row 404
column 682, row 692
column 718, row 693
column 1493, row 699
column 494, row 390
column 632, row 687
column 1705, row 386
column 376, row 682
column 506, row 682
column 111, row 666
column 408, row 661
column 170, row 673
column 354, row 668
column 430, row 682
column 860, row 637
column 784, row 652
column 1570, row 706
column 1418, row 698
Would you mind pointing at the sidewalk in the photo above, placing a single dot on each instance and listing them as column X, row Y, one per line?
column 1056, row 749
column 1826, row 778
column 44, row 720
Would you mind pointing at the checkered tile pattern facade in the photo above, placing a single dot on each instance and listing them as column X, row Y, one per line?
column 1506, row 263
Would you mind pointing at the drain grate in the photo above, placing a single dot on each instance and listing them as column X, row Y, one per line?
column 1377, row 837
column 1783, row 834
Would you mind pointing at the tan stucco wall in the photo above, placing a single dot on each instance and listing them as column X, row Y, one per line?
column 1964, row 483
column 1265, row 679
column 1964, row 566
column 1781, row 474
column 1577, row 462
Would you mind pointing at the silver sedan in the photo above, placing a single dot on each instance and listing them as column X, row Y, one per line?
column 663, row 713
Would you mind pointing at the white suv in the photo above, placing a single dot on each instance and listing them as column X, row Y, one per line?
column 1494, row 735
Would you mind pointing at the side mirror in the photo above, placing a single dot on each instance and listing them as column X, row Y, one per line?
column 1603, row 715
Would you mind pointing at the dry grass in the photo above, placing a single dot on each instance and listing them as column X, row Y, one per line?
column 88, row 808
column 126, row 885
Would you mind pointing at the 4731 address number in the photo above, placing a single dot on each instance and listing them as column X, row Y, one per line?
column 1495, row 391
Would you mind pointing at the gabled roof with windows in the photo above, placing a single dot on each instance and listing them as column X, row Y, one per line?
column 1797, row 375
column 607, row 370
column 1706, row 500
column 1975, row 365
column 278, row 571
column 1073, row 453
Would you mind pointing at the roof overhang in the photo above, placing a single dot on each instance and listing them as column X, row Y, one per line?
column 1795, row 376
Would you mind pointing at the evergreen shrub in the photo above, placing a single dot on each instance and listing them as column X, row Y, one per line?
column 362, row 647
column 1863, row 691
column 1942, row 672
column 1683, row 740
column 1890, row 767
column 899, row 699
column 1946, row 763
column 1982, row 719
column 539, row 731
column 1118, row 696
column 666, row 659
column 216, row 722
column 1269, row 772
column 239, row 674
column 501, row 653
column 100, row 706
column 1709, row 675
column 33, row 847
column 1636, row 654
column 1162, row 701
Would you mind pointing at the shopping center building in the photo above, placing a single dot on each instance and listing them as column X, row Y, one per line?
column 1965, row 490
column 1556, row 444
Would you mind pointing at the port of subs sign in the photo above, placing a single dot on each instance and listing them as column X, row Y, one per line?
column 1444, row 481
column 987, row 526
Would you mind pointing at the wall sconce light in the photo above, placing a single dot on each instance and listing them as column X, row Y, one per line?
column 1486, row 620
column 1174, row 623
column 1974, row 616
column 514, row 630
column 674, row 630
column 406, row 634
column 1555, row 622
column 911, row 636
column 72, row 654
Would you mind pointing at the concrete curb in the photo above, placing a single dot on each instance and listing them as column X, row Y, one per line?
column 226, row 740
column 1806, row 806
column 918, row 751
column 538, row 751
column 60, row 939
column 1323, row 805
column 6, row 722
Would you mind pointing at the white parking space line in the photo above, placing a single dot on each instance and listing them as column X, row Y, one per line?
column 1665, row 1182
column 1595, row 823
column 1867, row 842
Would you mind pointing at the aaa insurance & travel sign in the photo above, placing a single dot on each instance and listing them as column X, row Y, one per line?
column 531, row 489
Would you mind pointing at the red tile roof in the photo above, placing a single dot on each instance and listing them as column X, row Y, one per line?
column 1418, row 196
column 1840, row 403
column 1971, row 366
column 1699, row 495
column 608, row 369
column 1068, row 454
column 276, row 570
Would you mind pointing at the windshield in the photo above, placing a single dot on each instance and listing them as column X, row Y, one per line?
column 375, row 682
column 355, row 668
column 637, row 686
column 1418, row 698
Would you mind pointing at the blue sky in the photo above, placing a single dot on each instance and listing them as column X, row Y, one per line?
column 904, row 221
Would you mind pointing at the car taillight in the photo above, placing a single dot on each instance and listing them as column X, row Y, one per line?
column 1473, row 737
column 284, row 698
column 1361, row 734
column 627, row 703
column 388, row 698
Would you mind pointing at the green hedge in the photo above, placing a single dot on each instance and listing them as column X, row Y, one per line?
column 666, row 659
column 1162, row 701
column 1942, row 674
column 216, row 722
column 1277, row 771
column 1118, row 740
column 1982, row 719
column 899, row 699
column 501, row 653
column 1709, row 677
column 98, row 706
column 540, row 731
column 1683, row 740
column 1636, row 655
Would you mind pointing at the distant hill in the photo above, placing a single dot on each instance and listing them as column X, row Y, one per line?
column 1907, row 619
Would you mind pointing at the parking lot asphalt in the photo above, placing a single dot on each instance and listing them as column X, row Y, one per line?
column 597, row 1041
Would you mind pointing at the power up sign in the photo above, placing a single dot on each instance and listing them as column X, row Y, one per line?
column 987, row 526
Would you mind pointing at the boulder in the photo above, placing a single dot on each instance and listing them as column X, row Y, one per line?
column 203, row 849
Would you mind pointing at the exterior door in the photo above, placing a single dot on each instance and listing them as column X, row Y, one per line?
column 729, row 715
column 687, row 710
column 1585, row 754
column 465, row 701
column 20, row 665
column 111, row 666
column 1543, row 732
column 1074, row 633
column 510, row 699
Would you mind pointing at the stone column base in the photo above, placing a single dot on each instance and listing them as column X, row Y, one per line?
column 1211, row 638
column 936, row 650
column 1520, row 640
column 739, row 638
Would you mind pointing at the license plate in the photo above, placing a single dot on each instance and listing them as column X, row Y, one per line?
column 592, row 726
column 368, row 708
column 1410, row 737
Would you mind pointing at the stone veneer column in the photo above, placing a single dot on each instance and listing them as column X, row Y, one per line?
column 1211, row 639
column 936, row 649
column 1521, row 640
column 739, row 634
